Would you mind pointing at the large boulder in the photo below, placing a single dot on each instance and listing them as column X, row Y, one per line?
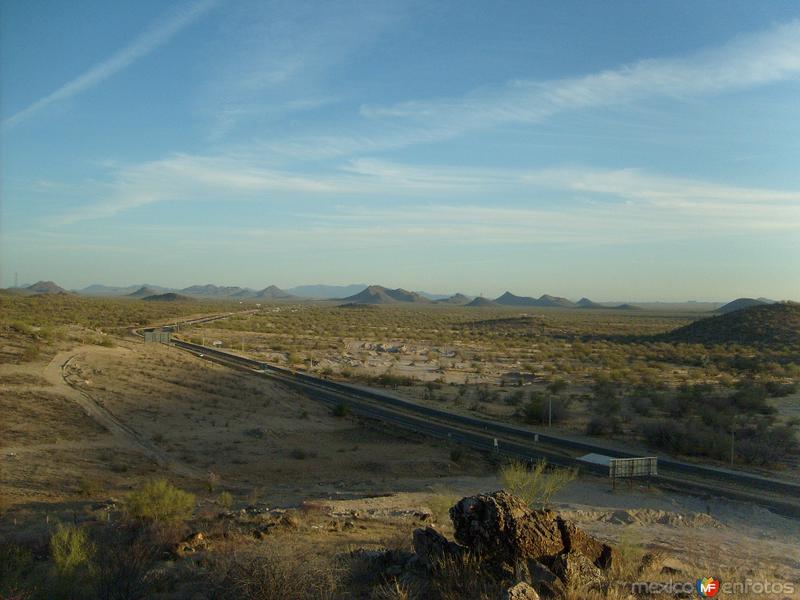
column 501, row 527
column 531, row 554
column 504, row 532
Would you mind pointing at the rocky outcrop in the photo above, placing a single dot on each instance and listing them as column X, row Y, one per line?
column 501, row 528
column 534, row 549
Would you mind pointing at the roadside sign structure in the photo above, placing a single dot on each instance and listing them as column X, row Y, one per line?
column 625, row 468
column 628, row 468
column 157, row 336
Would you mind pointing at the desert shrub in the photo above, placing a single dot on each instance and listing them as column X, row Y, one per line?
column 536, row 486
column 537, row 409
column 456, row 578
column 73, row 556
column 107, row 342
column 776, row 389
column 603, row 425
column 276, row 572
column 124, row 565
column 89, row 487
column 341, row 410
column 212, row 481
column 16, row 564
column 456, row 455
column 751, row 398
column 440, row 504
column 160, row 501
column 516, row 398
column 299, row 454
column 225, row 500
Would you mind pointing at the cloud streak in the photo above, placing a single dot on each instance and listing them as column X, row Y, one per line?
column 157, row 35
column 747, row 61
column 623, row 202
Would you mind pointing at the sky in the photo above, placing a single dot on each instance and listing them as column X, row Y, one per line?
column 619, row 150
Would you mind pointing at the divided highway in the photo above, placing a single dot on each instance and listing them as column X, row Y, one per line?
column 779, row 495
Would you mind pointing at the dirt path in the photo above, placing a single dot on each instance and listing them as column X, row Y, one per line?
column 55, row 374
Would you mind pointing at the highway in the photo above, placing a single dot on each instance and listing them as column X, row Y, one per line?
column 781, row 496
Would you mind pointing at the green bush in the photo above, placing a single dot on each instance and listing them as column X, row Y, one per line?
column 160, row 501
column 537, row 410
column 536, row 486
column 73, row 556
column 225, row 500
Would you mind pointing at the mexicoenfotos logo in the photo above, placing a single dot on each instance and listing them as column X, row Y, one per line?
column 707, row 587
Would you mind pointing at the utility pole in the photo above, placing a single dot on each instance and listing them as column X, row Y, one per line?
column 550, row 411
column 242, row 343
column 732, row 438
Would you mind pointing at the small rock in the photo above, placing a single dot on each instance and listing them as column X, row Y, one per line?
column 521, row 591
column 577, row 571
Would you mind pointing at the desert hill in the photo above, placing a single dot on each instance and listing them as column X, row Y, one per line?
column 144, row 292
column 325, row 292
column 509, row 299
column 762, row 325
column 586, row 303
column 457, row 299
column 168, row 297
column 213, row 291
column 739, row 304
column 272, row 293
column 377, row 294
column 480, row 302
column 45, row 287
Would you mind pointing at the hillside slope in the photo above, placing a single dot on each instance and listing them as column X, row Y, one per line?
column 762, row 325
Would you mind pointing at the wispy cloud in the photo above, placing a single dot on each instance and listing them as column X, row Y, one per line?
column 623, row 202
column 284, row 58
column 158, row 34
column 747, row 61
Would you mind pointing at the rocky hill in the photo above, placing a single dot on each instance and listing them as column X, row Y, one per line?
column 763, row 325
column 377, row 294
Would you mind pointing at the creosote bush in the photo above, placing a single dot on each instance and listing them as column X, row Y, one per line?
column 160, row 501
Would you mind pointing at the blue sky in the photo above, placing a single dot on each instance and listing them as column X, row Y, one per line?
column 618, row 150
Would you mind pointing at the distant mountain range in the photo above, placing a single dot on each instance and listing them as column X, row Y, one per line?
column 207, row 291
column 373, row 295
column 325, row 292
